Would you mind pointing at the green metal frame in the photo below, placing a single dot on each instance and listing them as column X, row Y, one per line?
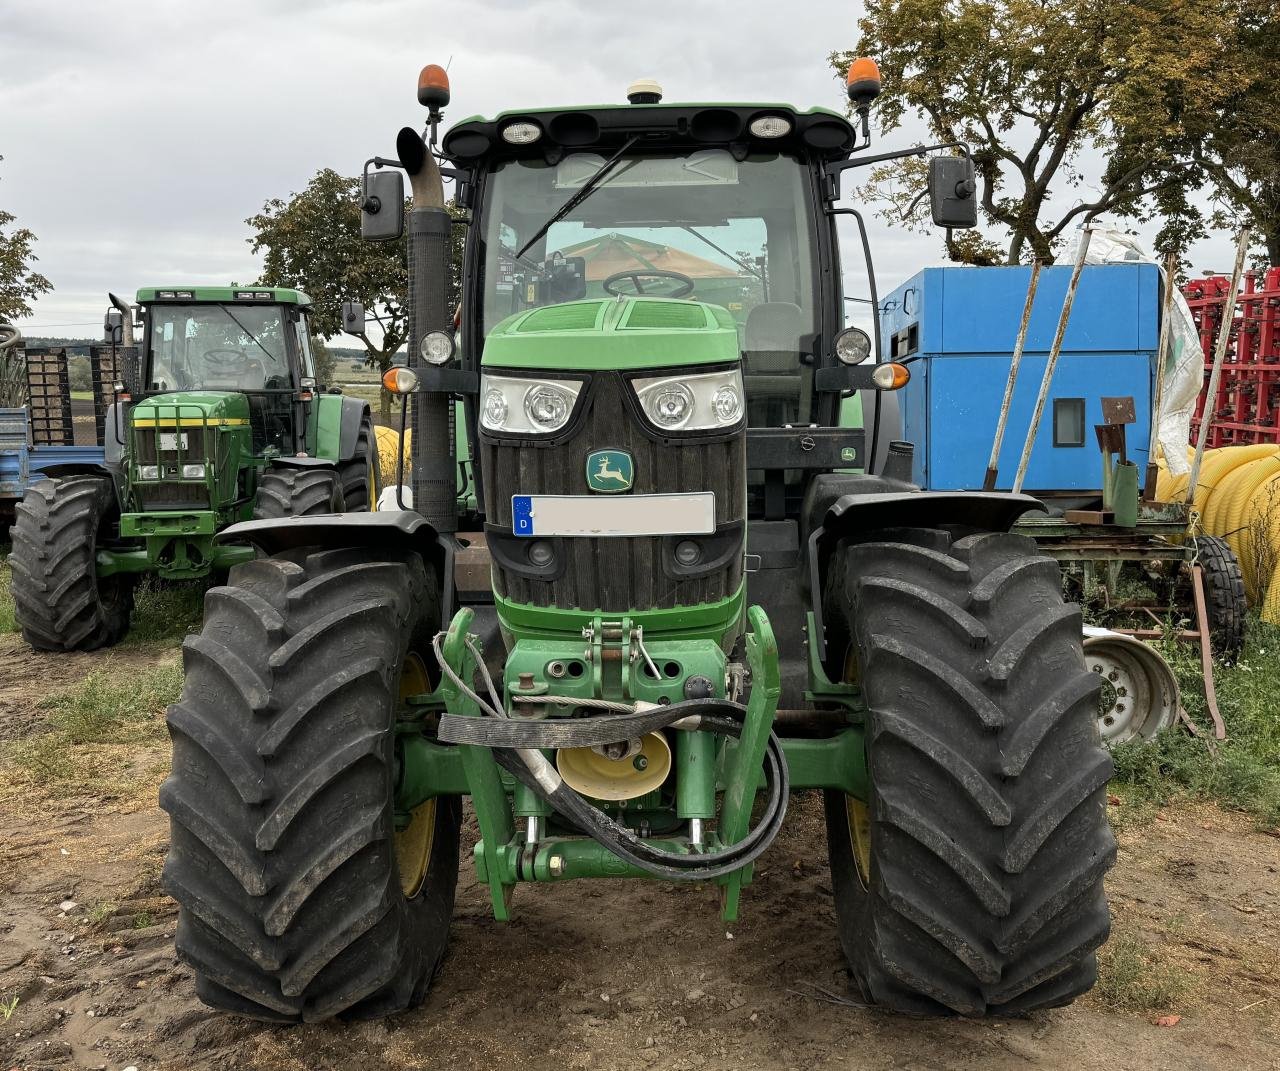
column 705, row 766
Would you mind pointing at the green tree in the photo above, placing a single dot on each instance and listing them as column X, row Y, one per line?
column 1030, row 85
column 19, row 284
column 312, row 241
column 1223, row 116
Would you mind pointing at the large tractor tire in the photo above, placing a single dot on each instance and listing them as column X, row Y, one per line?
column 60, row 602
column 288, row 492
column 299, row 900
column 362, row 476
column 970, row 880
column 1223, row 595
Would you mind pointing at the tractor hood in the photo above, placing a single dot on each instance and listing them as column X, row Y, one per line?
column 188, row 408
column 614, row 333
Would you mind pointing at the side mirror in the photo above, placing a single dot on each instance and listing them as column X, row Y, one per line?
column 952, row 191
column 353, row 317
column 382, row 206
column 113, row 327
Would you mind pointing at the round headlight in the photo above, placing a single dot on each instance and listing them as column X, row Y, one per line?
column 853, row 346
column 495, row 409
column 727, row 405
column 770, row 126
column 521, row 133
column 671, row 405
column 548, row 407
column 437, row 347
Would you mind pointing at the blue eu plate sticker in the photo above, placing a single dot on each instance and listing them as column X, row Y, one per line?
column 522, row 514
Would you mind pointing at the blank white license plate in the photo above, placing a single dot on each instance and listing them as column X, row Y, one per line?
column 173, row 440
column 614, row 515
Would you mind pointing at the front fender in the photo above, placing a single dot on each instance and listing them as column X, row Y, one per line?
column 402, row 529
column 859, row 514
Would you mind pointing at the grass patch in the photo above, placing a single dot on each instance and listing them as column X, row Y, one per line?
column 163, row 613
column 1134, row 976
column 1243, row 771
column 97, row 729
column 116, row 706
column 100, row 912
column 7, row 622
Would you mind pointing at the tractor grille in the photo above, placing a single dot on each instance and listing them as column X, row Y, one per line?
column 160, row 494
column 616, row 574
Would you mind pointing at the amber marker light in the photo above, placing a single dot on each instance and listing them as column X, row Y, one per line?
column 400, row 380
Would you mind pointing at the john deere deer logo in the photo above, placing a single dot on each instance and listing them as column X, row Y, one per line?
column 610, row 471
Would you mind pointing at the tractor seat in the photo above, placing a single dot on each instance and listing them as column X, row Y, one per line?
column 779, row 388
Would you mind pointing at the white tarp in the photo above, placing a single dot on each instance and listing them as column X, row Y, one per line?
column 1184, row 369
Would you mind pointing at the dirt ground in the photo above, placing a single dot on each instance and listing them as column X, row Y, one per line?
column 604, row 975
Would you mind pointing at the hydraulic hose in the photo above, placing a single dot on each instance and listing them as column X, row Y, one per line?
column 622, row 842
column 516, row 747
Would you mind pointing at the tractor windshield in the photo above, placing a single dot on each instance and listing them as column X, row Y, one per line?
column 701, row 226
column 217, row 347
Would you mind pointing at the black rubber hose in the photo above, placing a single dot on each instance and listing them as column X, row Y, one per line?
column 623, row 843
column 572, row 732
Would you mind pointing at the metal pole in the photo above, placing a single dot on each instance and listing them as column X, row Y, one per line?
column 1219, row 355
column 989, row 482
column 1162, row 357
column 1052, row 364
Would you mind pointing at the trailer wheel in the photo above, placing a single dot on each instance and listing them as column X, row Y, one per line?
column 60, row 602
column 1223, row 595
column 361, row 476
column 288, row 492
column 299, row 899
column 969, row 881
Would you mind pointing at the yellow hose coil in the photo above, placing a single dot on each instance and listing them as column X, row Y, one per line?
column 388, row 445
column 1271, row 607
column 1244, row 499
column 1218, row 463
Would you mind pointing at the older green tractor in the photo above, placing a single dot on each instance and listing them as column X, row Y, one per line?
column 705, row 586
column 224, row 422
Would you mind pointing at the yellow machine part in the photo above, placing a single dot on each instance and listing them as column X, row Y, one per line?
column 388, row 445
column 592, row 774
column 1237, row 497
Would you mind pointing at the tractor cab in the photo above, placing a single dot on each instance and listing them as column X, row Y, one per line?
column 225, row 340
column 669, row 205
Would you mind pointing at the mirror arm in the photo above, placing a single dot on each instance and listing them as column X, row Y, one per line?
column 836, row 169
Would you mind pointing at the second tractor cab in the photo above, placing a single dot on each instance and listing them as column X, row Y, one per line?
column 707, row 585
column 225, row 422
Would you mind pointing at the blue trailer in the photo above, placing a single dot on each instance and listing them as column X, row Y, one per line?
column 22, row 464
column 958, row 325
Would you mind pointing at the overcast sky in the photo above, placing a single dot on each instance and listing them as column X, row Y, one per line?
column 137, row 137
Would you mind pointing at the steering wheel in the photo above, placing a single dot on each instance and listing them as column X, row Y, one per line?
column 227, row 358
column 684, row 289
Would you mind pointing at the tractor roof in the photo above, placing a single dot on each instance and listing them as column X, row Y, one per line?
column 819, row 130
column 261, row 295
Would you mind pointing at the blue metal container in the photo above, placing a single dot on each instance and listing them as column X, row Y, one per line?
column 958, row 326
column 14, row 457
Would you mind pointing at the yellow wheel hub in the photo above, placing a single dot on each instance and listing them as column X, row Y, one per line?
column 858, row 813
column 414, row 842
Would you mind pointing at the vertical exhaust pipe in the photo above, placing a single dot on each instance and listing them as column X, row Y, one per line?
column 434, row 479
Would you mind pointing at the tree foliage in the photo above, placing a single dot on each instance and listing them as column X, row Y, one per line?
column 19, row 283
column 1071, row 107
column 1222, row 110
column 312, row 241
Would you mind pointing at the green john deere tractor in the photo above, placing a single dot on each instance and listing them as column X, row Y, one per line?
column 706, row 587
column 223, row 424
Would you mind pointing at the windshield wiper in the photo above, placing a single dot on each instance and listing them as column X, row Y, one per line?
column 249, row 333
column 583, row 193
